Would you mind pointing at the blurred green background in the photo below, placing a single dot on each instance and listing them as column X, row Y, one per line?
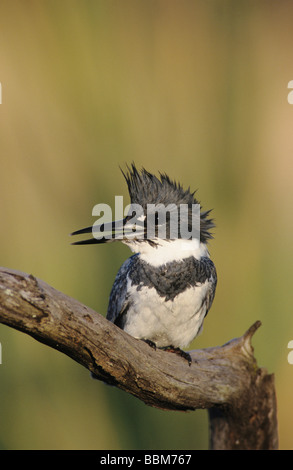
column 197, row 89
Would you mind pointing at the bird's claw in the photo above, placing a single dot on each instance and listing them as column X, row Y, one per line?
column 179, row 352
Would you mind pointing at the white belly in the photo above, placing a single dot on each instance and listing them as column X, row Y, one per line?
column 174, row 322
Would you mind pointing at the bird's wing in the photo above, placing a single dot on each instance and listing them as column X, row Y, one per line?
column 212, row 288
column 119, row 300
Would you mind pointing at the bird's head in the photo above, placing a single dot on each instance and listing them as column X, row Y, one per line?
column 161, row 211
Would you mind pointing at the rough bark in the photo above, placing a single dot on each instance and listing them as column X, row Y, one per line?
column 224, row 379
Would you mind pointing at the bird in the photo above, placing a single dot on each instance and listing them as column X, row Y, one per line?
column 164, row 290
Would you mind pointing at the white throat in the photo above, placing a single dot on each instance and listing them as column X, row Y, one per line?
column 168, row 250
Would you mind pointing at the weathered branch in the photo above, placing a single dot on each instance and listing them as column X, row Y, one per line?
column 226, row 379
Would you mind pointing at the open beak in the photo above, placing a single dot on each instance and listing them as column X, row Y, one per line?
column 122, row 230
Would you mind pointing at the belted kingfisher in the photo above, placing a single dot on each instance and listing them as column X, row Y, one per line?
column 163, row 292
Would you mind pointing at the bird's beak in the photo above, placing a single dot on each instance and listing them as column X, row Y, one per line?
column 109, row 232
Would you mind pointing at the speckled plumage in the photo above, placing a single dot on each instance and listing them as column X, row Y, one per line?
column 182, row 292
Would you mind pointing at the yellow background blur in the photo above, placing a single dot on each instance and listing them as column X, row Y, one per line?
column 196, row 89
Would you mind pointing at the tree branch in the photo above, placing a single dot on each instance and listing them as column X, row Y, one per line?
column 226, row 379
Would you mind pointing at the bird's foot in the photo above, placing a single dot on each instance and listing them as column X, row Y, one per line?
column 150, row 343
column 179, row 352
